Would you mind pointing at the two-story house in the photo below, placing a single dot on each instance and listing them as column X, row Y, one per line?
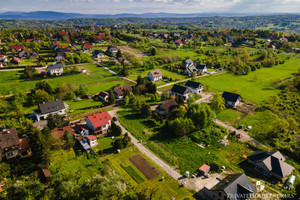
column 55, row 69
column 155, row 75
column 194, row 87
column 99, row 123
column 51, row 107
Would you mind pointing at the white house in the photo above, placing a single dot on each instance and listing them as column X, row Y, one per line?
column 55, row 69
column 194, row 87
column 92, row 140
column 155, row 75
column 3, row 58
column 51, row 107
column 180, row 90
column 201, row 68
column 112, row 50
column 231, row 99
column 99, row 123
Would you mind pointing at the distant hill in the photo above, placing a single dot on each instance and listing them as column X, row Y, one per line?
column 51, row 15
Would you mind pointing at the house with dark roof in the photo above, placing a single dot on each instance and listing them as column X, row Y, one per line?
column 231, row 99
column 98, row 54
column 55, row 69
column 194, row 87
column 190, row 70
column 82, row 130
column 120, row 91
column 155, row 75
column 201, row 68
column 166, row 107
column 103, row 96
column 270, row 164
column 51, row 107
column 232, row 187
column 112, row 50
column 9, row 143
column 99, row 123
column 187, row 63
column 180, row 90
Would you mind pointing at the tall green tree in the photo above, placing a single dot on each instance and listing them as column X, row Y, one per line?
column 217, row 103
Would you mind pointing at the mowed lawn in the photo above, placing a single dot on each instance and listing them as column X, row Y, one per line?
column 256, row 86
column 10, row 81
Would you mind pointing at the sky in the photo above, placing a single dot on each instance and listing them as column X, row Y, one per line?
column 152, row 6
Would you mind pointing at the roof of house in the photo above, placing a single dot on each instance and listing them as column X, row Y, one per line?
column 87, row 46
column 235, row 184
column 16, row 59
column 91, row 137
column 17, row 47
column 103, row 94
column 113, row 48
column 201, row 66
column 178, row 42
column 191, row 69
column 204, row 168
column 193, row 84
column 29, row 40
column 51, row 106
column 24, row 144
column 55, row 66
column 99, row 119
column 274, row 161
column 46, row 173
column 179, row 89
column 228, row 96
column 167, row 105
column 187, row 61
column 2, row 56
column 9, row 138
column 156, row 73
column 80, row 127
column 120, row 90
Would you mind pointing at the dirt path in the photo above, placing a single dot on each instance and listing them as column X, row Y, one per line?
column 113, row 72
column 133, row 51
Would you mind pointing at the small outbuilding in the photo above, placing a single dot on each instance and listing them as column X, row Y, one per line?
column 204, row 169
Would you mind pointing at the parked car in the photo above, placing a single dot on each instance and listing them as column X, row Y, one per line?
column 248, row 128
column 241, row 127
column 114, row 119
column 233, row 133
column 238, row 135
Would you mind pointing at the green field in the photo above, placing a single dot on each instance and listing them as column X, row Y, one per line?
column 229, row 115
column 10, row 82
column 256, row 86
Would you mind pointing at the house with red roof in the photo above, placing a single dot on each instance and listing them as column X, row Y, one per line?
column 178, row 43
column 15, row 61
column 17, row 47
column 3, row 58
column 99, row 123
column 87, row 48
column 92, row 140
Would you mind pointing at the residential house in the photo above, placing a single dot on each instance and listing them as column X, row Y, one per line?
column 15, row 61
column 283, row 40
column 17, row 47
column 59, row 57
column 55, row 69
column 270, row 164
column 155, row 75
column 24, row 54
column 98, row 54
column 99, row 123
column 231, row 99
column 25, row 148
column 92, row 140
column 87, row 48
column 190, row 70
column 123, row 61
column 112, row 50
column 9, row 143
column 245, row 41
column 180, row 90
column 166, row 107
column 3, row 58
column 236, row 44
column 119, row 91
column 201, row 68
column 51, row 107
column 82, row 130
column 232, row 187
column 204, row 170
column 194, row 87
column 187, row 63
column 178, row 43
column 103, row 96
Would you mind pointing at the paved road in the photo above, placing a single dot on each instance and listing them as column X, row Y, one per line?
column 113, row 72
column 171, row 171
column 18, row 69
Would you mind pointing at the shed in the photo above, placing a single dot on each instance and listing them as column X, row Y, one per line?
column 204, row 169
column 45, row 174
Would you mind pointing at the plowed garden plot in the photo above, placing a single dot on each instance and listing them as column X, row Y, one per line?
column 144, row 166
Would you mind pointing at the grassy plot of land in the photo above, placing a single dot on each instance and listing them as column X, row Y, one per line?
column 256, row 86
column 10, row 81
column 229, row 115
column 132, row 173
column 182, row 153
column 169, row 187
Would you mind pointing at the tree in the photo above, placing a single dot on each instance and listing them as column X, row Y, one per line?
column 41, row 96
column 54, row 121
column 119, row 54
column 70, row 95
column 115, row 129
column 82, row 90
column 145, row 109
column 117, row 144
column 70, row 142
column 217, row 103
column 182, row 126
column 44, row 85
column 126, row 101
column 180, row 100
column 153, row 51
column 111, row 97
